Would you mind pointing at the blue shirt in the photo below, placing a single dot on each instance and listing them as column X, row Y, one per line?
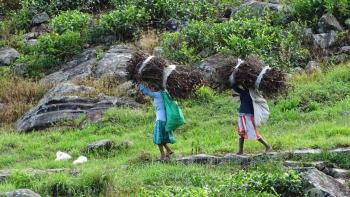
column 158, row 102
column 246, row 100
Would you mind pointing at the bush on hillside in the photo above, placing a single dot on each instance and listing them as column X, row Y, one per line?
column 73, row 20
column 278, row 46
column 312, row 10
column 51, row 51
column 123, row 23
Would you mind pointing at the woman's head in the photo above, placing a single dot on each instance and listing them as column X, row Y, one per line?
column 154, row 87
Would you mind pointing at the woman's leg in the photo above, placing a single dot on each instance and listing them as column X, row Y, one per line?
column 267, row 147
column 162, row 154
column 168, row 150
column 241, row 144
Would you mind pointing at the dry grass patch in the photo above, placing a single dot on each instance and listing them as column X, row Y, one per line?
column 17, row 96
column 148, row 40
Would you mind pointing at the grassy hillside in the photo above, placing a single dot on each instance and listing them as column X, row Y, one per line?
column 314, row 114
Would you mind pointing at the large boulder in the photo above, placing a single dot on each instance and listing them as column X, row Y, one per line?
column 79, row 68
column 209, row 68
column 65, row 103
column 7, row 55
column 40, row 18
column 325, row 40
column 322, row 185
column 114, row 62
column 327, row 23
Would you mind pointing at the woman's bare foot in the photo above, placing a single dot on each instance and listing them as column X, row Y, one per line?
column 168, row 154
column 267, row 149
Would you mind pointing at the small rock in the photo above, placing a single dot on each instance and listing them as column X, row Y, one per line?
column 233, row 158
column 327, row 23
column 339, row 173
column 20, row 69
column 345, row 113
column 40, row 29
column 341, row 150
column 62, row 156
column 173, row 24
column 125, row 144
column 80, row 160
column 125, row 87
column 298, row 69
column 312, row 66
column 157, row 51
column 308, row 33
column 318, row 164
column 345, row 49
column 2, row 106
column 99, row 145
column 32, row 42
column 22, row 193
column 325, row 40
column 7, row 55
column 4, row 174
column 199, row 159
column 30, row 35
column 40, row 18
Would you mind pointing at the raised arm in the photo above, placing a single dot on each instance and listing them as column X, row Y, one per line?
column 147, row 91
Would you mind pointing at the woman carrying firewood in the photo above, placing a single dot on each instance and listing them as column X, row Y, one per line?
column 161, row 137
column 246, row 124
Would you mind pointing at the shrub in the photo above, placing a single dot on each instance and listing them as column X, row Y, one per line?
column 312, row 10
column 123, row 23
column 21, row 19
column 70, row 21
column 50, row 51
column 279, row 46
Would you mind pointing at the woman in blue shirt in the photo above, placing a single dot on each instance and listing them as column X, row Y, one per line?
column 160, row 136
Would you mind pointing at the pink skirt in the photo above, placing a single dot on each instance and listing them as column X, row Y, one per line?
column 246, row 127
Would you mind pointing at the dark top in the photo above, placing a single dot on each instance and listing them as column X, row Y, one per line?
column 246, row 101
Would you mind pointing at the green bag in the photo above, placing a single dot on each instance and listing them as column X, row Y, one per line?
column 174, row 115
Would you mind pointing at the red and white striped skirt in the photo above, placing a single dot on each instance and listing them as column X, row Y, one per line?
column 246, row 127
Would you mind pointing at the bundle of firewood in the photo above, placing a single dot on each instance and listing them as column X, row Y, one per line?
column 272, row 82
column 180, row 83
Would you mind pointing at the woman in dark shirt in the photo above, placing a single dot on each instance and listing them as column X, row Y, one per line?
column 246, row 125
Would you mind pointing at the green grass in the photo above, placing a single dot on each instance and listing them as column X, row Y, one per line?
column 313, row 115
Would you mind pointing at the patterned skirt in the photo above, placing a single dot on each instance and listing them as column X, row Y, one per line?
column 160, row 136
column 246, row 127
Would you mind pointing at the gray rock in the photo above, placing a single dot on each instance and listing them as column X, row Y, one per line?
column 320, row 165
column 125, row 87
column 157, row 51
column 30, row 35
column 2, row 106
column 40, row 29
column 125, row 144
column 7, row 55
column 210, row 66
column 339, row 173
column 340, row 150
column 320, row 184
column 77, row 69
column 173, row 25
column 303, row 151
column 56, row 106
column 325, row 40
column 22, row 193
column 308, row 33
column 114, row 62
column 345, row 49
column 258, row 7
column 312, row 66
column 327, row 23
column 4, row 174
column 298, row 70
column 239, row 159
column 20, row 69
column 40, row 18
column 199, row 159
column 31, row 42
column 99, row 145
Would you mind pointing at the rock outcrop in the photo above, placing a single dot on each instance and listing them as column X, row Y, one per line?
column 56, row 107
column 7, row 56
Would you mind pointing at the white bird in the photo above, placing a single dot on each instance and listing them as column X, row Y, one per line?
column 62, row 156
column 80, row 160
